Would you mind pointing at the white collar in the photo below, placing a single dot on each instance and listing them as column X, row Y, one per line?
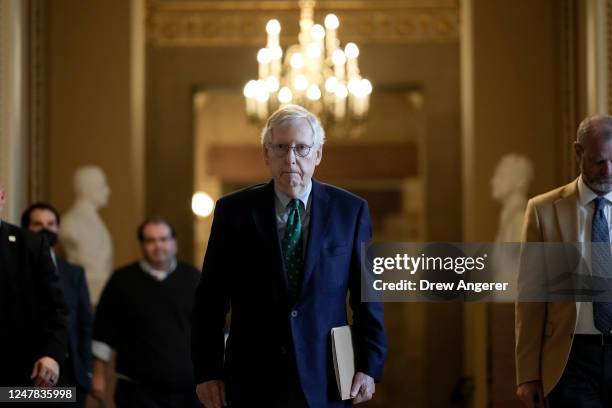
column 159, row 275
column 303, row 197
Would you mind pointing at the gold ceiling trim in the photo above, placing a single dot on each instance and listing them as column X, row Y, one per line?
column 233, row 23
column 279, row 5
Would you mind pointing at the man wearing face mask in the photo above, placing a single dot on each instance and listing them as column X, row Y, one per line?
column 44, row 219
column 33, row 314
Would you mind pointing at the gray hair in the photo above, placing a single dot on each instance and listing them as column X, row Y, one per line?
column 591, row 125
column 290, row 113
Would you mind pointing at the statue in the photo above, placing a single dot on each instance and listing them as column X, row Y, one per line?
column 83, row 234
column 509, row 185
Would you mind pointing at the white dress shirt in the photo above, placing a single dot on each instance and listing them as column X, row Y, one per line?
column 586, row 209
column 281, row 201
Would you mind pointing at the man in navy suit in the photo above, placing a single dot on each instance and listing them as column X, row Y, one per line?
column 283, row 256
column 44, row 219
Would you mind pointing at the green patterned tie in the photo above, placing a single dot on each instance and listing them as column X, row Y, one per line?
column 292, row 247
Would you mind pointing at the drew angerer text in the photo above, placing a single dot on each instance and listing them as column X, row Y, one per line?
column 425, row 285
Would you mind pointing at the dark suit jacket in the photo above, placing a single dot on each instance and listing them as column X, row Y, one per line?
column 33, row 313
column 76, row 295
column 243, row 268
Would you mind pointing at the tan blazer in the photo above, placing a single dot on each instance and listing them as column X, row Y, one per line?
column 544, row 331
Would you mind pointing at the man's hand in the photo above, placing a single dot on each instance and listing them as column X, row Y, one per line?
column 363, row 388
column 98, row 380
column 45, row 372
column 98, row 386
column 531, row 394
column 212, row 394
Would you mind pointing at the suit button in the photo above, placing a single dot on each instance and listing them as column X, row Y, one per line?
column 283, row 350
column 294, row 313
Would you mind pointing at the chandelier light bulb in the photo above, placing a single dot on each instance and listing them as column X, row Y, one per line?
column 272, row 84
column 297, row 61
column 317, row 32
column 300, row 83
column 261, row 93
column 263, row 56
column 351, row 50
column 273, row 27
column 313, row 50
column 262, row 96
column 341, row 91
column 331, row 21
column 366, row 86
column 313, row 93
column 276, row 53
column 285, row 95
column 250, row 89
column 338, row 57
column 360, row 87
column 354, row 86
column 331, row 84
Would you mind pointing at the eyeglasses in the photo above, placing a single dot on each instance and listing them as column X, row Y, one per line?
column 281, row 149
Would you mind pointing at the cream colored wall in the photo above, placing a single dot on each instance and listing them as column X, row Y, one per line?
column 95, row 104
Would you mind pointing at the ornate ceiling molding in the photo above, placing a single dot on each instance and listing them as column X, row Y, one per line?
column 232, row 23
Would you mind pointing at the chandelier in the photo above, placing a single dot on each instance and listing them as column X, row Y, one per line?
column 315, row 73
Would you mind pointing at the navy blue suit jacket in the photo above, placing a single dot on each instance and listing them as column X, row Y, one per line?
column 76, row 295
column 32, row 309
column 243, row 268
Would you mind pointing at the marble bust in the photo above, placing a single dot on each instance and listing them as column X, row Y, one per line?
column 83, row 233
column 509, row 186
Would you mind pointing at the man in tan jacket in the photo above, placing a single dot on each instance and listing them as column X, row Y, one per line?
column 564, row 349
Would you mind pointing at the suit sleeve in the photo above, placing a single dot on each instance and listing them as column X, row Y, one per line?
column 51, row 304
column 529, row 316
column 368, row 323
column 211, row 303
column 84, row 319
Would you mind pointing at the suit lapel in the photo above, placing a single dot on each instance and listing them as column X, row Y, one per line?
column 566, row 209
column 4, row 252
column 8, row 253
column 319, row 220
column 264, row 217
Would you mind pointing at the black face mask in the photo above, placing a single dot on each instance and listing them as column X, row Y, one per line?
column 50, row 235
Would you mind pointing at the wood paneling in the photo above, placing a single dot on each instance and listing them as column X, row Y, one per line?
column 365, row 162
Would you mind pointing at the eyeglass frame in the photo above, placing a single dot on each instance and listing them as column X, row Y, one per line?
column 286, row 149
